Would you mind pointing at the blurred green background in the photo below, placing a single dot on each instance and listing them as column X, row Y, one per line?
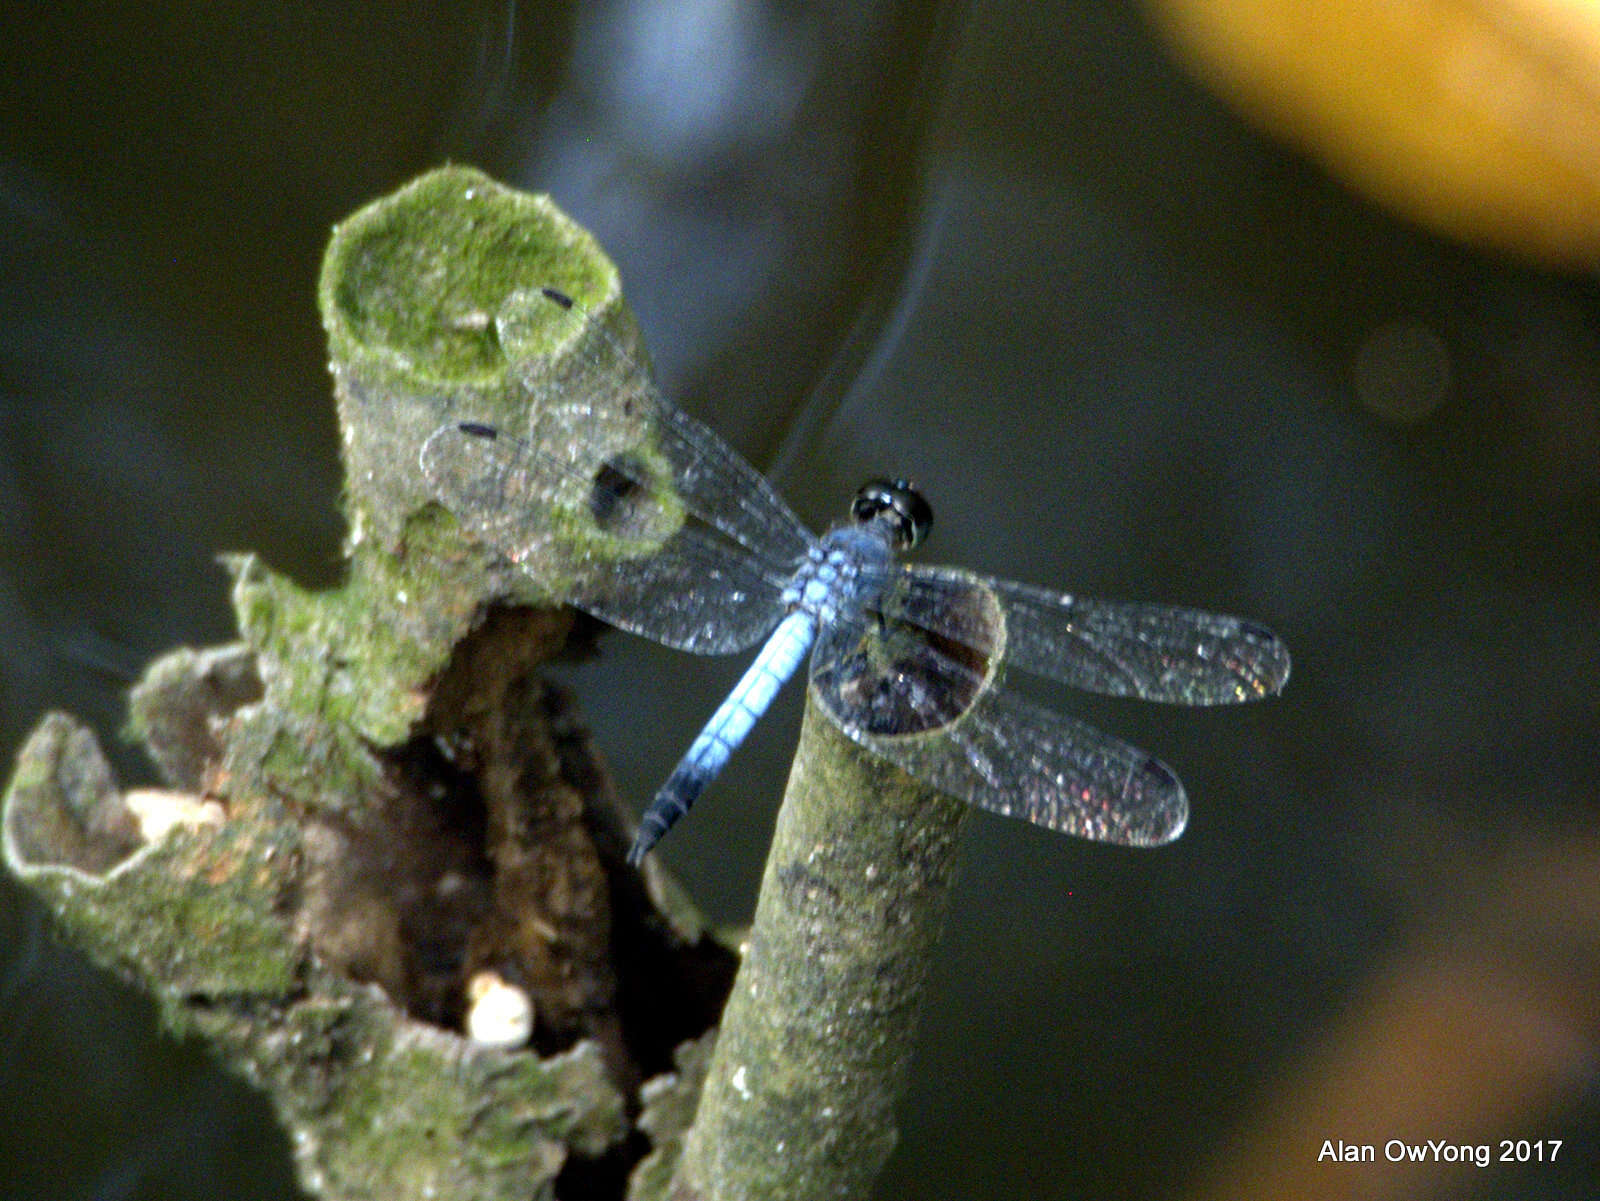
column 1126, row 346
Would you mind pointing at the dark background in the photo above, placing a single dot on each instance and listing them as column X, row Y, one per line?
column 1127, row 347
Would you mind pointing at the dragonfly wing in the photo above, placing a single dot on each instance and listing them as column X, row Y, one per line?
column 619, row 548
column 1152, row 652
column 637, row 512
column 939, row 717
column 1014, row 758
column 595, row 410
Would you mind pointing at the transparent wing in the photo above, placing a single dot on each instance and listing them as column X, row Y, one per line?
column 685, row 586
column 1153, row 652
column 625, row 550
column 906, row 699
column 594, row 407
column 644, row 516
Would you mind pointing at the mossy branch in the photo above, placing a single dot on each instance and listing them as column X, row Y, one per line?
column 818, row 1032
column 374, row 802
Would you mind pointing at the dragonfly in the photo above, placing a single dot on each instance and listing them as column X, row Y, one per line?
column 654, row 524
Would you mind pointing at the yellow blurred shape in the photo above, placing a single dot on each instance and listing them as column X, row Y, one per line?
column 1478, row 120
column 1482, row 1026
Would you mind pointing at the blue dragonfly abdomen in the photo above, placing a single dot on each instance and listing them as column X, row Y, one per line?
column 734, row 718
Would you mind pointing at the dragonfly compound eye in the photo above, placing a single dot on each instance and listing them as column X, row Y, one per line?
column 897, row 502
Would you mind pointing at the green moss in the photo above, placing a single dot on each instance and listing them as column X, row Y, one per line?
column 432, row 1116
column 415, row 282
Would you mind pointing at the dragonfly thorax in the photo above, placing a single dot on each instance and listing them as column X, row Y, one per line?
column 897, row 505
column 845, row 570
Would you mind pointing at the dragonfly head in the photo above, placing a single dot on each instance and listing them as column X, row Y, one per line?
column 898, row 505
